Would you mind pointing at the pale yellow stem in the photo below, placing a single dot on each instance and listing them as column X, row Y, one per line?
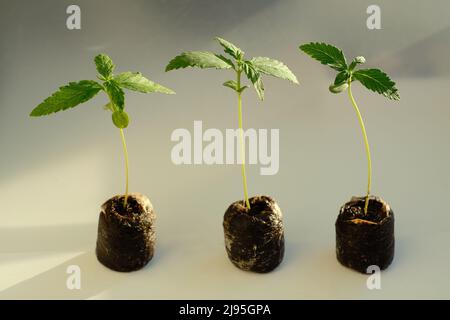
column 366, row 143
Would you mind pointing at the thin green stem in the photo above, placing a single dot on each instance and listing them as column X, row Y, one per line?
column 125, row 152
column 241, row 139
column 366, row 143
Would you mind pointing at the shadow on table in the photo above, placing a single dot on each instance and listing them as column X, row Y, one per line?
column 52, row 284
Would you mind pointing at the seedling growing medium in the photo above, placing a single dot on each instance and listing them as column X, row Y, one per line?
column 126, row 206
column 242, row 253
column 365, row 225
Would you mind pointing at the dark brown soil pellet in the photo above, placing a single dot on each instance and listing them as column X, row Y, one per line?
column 363, row 239
column 126, row 236
column 254, row 239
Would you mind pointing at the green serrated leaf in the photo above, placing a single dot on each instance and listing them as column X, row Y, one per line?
column 255, row 78
column 104, row 65
column 341, row 77
column 377, row 81
column 67, row 97
column 230, row 48
column 116, row 94
column 250, row 71
column 326, row 54
column 274, row 68
column 120, row 119
column 137, row 82
column 201, row 59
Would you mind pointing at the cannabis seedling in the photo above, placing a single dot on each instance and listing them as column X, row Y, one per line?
column 373, row 79
column 76, row 93
column 253, row 68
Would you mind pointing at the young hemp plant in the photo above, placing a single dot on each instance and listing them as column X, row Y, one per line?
column 119, row 247
column 246, row 246
column 364, row 223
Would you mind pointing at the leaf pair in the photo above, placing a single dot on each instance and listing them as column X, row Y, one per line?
column 253, row 68
column 76, row 93
column 373, row 79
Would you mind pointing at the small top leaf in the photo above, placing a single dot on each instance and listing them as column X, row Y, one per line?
column 104, row 65
column 233, row 85
column 201, row 59
column 274, row 68
column 108, row 107
column 230, row 48
column 357, row 60
column 326, row 54
column 377, row 81
column 116, row 94
column 137, row 82
column 67, row 97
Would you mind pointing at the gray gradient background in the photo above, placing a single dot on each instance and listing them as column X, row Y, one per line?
column 56, row 171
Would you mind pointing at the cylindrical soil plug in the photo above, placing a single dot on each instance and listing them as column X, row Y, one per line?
column 254, row 238
column 364, row 240
column 126, row 236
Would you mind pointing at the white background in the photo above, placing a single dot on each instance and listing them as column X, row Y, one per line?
column 55, row 172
